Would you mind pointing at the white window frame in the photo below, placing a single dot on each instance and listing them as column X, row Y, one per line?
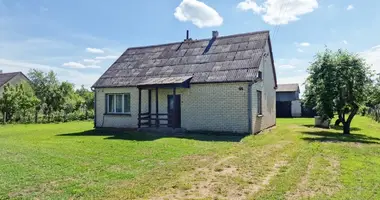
column 114, row 103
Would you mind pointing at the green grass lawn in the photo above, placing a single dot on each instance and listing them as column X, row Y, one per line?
column 292, row 161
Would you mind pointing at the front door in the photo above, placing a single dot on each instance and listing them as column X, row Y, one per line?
column 174, row 112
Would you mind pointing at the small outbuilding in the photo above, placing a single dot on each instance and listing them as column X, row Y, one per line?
column 288, row 103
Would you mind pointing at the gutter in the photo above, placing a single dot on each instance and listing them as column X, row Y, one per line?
column 250, row 107
column 94, row 90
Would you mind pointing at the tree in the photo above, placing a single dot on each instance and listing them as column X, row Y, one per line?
column 71, row 101
column 88, row 97
column 40, row 87
column 9, row 102
column 27, row 101
column 338, row 82
column 48, row 90
column 18, row 99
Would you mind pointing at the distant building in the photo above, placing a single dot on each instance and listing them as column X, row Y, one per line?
column 12, row 78
column 287, row 92
column 288, row 103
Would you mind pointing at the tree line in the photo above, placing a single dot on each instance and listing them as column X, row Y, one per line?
column 342, row 84
column 45, row 99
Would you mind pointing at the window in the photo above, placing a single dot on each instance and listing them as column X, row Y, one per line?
column 259, row 103
column 118, row 103
column 260, row 75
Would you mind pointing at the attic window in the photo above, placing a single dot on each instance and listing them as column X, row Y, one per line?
column 260, row 75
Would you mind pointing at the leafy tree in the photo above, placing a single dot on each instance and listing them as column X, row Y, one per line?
column 18, row 99
column 49, row 92
column 27, row 101
column 9, row 102
column 40, row 87
column 71, row 101
column 338, row 82
column 374, row 93
column 88, row 97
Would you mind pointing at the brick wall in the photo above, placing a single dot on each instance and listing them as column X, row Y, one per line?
column 212, row 107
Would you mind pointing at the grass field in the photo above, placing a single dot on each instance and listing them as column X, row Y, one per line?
column 292, row 161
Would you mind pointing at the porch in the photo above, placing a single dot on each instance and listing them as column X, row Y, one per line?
column 152, row 120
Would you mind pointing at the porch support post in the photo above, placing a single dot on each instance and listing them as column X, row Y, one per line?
column 172, row 115
column 139, row 116
column 150, row 106
column 157, row 120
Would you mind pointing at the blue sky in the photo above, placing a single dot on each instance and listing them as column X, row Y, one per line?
column 80, row 39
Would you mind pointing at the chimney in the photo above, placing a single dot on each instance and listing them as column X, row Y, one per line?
column 215, row 34
column 188, row 39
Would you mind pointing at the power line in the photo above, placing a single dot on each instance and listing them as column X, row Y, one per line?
column 277, row 27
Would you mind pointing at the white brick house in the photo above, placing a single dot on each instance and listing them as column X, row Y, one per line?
column 222, row 84
column 12, row 79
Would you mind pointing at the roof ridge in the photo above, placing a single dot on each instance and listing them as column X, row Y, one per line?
column 10, row 73
column 200, row 40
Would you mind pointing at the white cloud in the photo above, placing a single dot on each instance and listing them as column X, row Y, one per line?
column 300, row 50
column 250, row 5
column 78, row 65
column 372, row 57
column 304, row 44
column 91, row 61
column 106, row 57
column 94, row 50
column 276, row 12
column 74, row 76
column 200, row 14
column 74, row 65
column 345, row 42
column 330, row 6
column 350, row 7
column 286, row 67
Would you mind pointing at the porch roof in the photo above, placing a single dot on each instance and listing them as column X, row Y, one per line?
column 178, row 81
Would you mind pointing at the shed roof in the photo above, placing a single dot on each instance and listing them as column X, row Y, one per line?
column 5, row 77
column 288, row 88
column 234, row 58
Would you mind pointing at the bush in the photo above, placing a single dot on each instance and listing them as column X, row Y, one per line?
column 79, row 115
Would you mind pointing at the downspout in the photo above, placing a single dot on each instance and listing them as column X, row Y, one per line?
column 94, row 90
column 250, row 107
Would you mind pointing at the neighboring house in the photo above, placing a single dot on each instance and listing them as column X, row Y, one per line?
column 12, row 78
column 224, row 84
column 288, row 102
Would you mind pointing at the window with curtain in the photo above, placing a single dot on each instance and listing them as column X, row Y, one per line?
column 118, row 103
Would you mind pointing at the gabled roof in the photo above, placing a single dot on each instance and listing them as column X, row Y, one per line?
column 234, row 58
column 5, row 77
column 288, row 88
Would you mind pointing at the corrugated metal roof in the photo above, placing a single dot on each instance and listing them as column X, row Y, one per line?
column 288, row 87
column 224, row 59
